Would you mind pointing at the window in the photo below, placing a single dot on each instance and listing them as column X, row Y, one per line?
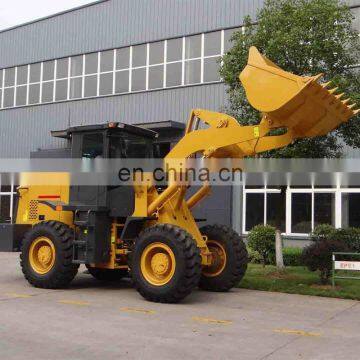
column 91, row 63
column 324, row 209
column 211, row 69
column 350, row 210
column 139, row 56
column 90, row 86
column 48, row 70
column 21, row 92
column 106, row 84
column 107, row 61
column 10, row 77
column 228, row 34
column 276, row 210
column 61, row 90
column 92, row 146
column 193, row 47
column 156, row 55
column 254, row 210
column 122, row 82
column 123, row 58
column 62, row 68
column 169, row 63
column 356, row 22
column 138, row 79
column 212, row 45
column 76, row 88
column 174, row 49
column 7, row 194
column 193, row 72
column 22, row 75
column 156, row 77
column 47, row 92
column 301, row 213
column 173, row 74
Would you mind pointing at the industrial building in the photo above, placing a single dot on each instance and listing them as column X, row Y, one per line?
column 145, row 62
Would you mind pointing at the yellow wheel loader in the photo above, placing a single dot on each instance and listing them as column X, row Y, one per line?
column 152, row 232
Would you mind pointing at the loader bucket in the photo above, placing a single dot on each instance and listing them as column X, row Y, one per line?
column 301, row 104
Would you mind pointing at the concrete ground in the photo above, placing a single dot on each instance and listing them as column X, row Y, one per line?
column 92, row 320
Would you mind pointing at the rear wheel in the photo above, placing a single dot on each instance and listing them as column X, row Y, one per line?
column 229, row 256
column 46, row 255
column 107, row 274
column 166, row 263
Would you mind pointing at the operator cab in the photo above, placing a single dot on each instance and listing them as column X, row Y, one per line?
column 113, row 140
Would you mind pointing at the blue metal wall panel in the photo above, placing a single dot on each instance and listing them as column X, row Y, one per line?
column 117, row 23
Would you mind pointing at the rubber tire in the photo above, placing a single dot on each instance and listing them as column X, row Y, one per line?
column 236, row 254
column 188, row 264
column 63, row 271
column 107, row 274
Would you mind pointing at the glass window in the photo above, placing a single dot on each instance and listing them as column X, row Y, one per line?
column 212, row 44
column 350, row 214
column 1, row 78
column 193, row 47
column 301, row 213
column 254, row 210
column 35, row 70
column 173, row 74
column 275, row 212
column 92, row 146
column 156, row 55
column 0, row 97
column 91, row 63
column 61, row 90
column 10, row 77
column 107, row 61
column 22, row 75
column 76, row 88
column 62, row 68
column 193, row 72
column 122, row 58
column 106, row 84
column 48, row 70
column 90, row 86
column 324, row 209
column 174, row 49
column 138, row 80
column 211, row 69
column 9, row 97
column 77, row 65
column 122, row 82
column 139, row 55
column 228, row 44
column 47, row 92
column 5, row 208
column 34, row 94
column 156, row 77
column 21, row 92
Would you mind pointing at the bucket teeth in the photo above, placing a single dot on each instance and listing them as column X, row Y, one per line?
column 340, row 95
column 356, row 111
column 345, row 101
column 351, row 106
column 332, row 91
column 325, row 85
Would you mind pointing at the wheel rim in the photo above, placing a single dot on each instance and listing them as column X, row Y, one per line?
column 218, row 259
column 42, row 255
column 158, row 264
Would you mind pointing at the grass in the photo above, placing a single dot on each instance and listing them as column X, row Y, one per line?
column 297, row 280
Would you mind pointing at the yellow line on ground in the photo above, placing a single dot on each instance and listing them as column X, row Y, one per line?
column 211, row 321
column 135, row 310
column 74, row 302
column 296, row 332
column 19, row 296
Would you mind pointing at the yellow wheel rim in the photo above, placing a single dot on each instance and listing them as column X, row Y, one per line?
column 157, row 264
column 42, row 255
column 218, row 264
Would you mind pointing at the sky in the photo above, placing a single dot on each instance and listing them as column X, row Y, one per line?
column 16, row 12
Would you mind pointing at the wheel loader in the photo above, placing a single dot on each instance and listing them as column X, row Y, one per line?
column 150, row 233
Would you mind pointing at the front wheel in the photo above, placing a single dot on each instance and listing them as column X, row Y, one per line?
column 229, row 259
column 46, row 255
column 166, row 263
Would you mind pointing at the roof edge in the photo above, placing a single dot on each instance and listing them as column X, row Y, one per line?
column 52, row 16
